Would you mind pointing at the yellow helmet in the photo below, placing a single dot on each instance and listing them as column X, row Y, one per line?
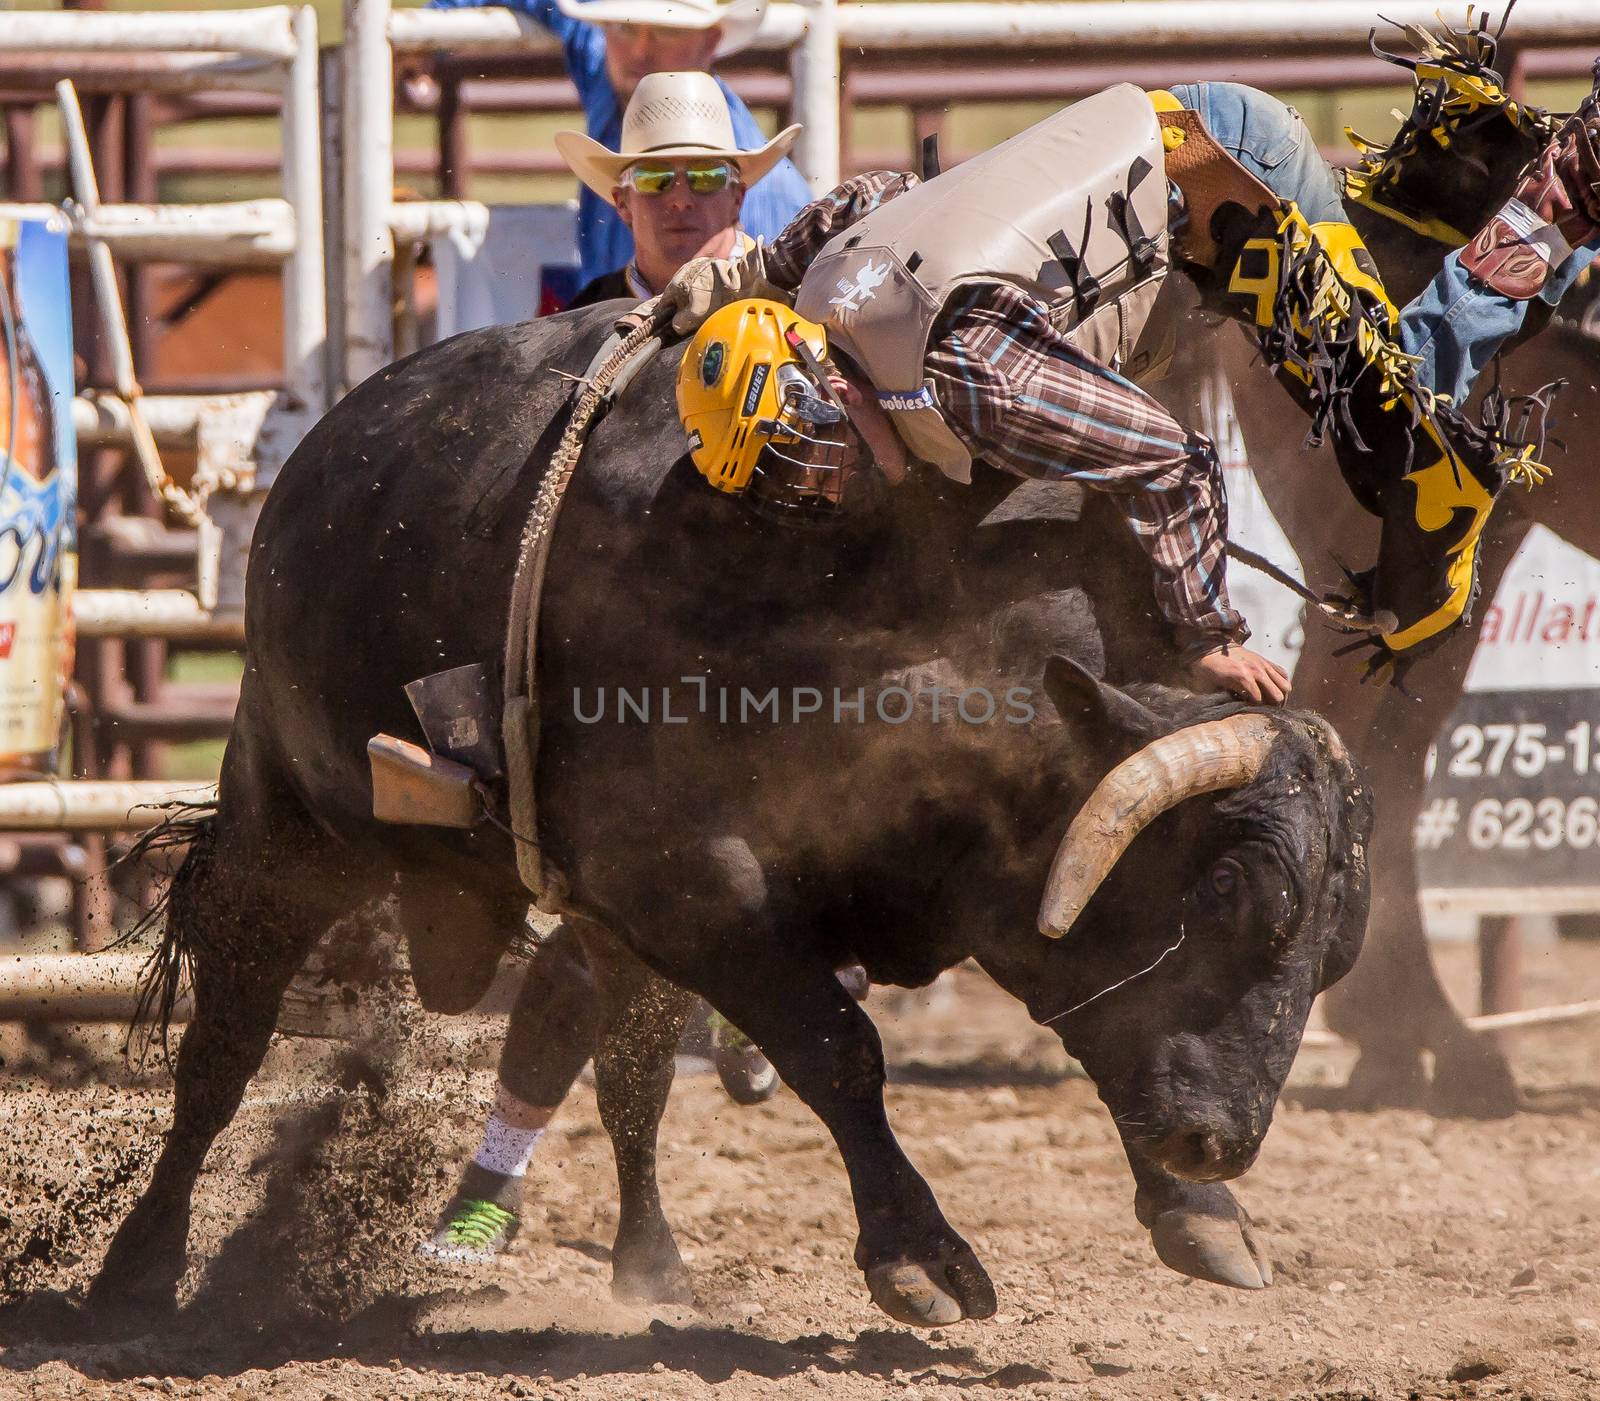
column 756, row 415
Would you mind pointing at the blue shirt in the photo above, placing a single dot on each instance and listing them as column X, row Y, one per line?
column 604, row 243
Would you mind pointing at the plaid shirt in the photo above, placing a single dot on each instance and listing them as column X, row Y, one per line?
column 1020, row 396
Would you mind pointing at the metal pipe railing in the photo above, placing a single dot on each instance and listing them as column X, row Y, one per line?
column 94, row 806
column 1143, row 25
column 263, row 33
column 75, row 987
column 367, row 82
column 154, row 72
column 814, row 71
column 246, row 233
column 173, row 614
column 305, row 303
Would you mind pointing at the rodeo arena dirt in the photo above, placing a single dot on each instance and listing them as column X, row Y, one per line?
column 542, row 938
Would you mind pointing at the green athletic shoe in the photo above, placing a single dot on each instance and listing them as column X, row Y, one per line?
column 471, row 1232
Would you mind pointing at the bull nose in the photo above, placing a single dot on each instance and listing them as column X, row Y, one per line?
column 1201, row 1154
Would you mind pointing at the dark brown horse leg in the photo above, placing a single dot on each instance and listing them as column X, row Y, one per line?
column 641, row 1019
column 1393, row 1005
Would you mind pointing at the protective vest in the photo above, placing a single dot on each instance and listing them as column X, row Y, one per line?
column 1073, row 211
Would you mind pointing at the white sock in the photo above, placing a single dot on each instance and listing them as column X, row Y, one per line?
column 506, row 1149
column 512, row 1133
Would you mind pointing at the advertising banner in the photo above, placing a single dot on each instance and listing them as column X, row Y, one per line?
column 1513, row 797
column 38, row 493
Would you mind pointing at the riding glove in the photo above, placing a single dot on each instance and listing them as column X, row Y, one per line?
column 704, row 285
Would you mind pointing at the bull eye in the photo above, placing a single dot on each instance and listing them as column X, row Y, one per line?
column 1224, row 879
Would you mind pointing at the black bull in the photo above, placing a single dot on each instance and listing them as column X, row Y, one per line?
column 745, row 861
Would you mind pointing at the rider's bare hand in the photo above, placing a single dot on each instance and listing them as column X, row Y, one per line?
column 1242, row 673
column 873, row 425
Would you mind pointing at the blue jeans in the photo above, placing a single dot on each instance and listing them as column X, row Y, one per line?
column 1456, row 324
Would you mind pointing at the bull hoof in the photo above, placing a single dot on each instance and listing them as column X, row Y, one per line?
column 656, row 1276
column 46, row 1317
column 138, row 1279
column 127, row 1299
column 932, row 1293
column 126, row 1313
column 1211, row 1248
column 664, row 1287
column 1388, row 1077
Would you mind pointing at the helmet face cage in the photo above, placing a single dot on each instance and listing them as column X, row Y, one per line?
column 762, row 418
column 800, row 474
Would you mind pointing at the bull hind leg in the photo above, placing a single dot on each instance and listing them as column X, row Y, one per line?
column 245, row 908
column 641, row 1018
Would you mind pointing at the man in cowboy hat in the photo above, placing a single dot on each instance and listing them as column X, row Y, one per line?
column 678, row 183
column 610, row 46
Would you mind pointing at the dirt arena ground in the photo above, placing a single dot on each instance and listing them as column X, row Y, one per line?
column 1415, row 1257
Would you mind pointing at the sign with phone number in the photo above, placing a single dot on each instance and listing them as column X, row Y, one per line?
column 1513, row 793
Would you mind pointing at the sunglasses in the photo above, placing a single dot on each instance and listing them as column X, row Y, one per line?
column 710, row 179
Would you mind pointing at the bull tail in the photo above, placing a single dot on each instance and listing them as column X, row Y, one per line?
column 190, row 827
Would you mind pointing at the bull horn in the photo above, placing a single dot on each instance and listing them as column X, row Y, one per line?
column 1203, row 758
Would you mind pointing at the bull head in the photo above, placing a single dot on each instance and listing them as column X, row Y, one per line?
column 1254, row 902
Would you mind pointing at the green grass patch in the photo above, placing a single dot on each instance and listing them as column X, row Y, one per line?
column 202, row 759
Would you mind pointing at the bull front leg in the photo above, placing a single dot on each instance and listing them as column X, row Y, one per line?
column 766, row 981
column 918, row 1270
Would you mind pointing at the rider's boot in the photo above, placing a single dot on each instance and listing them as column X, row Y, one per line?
column 1554, row 209
column 746, row 1074
column 1314, row 298
column 1456, row 152
column 483, row 1216
column 1326, row 328
column 481, row 1219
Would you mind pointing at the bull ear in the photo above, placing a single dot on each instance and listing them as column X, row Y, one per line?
column 1105, row 720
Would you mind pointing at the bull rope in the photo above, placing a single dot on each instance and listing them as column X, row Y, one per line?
column 520, row 715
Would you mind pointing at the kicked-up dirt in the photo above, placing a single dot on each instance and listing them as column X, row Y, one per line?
column 1415, row 1257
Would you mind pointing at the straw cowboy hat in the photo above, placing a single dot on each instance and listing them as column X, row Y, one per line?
column 739, row 18
column 670, row 115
